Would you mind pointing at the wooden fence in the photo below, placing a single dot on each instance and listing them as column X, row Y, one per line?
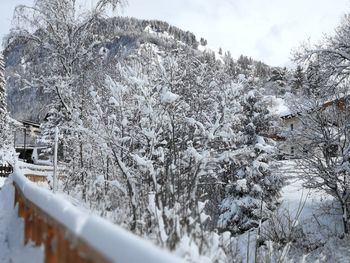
column 60, row 244
column 64, row 245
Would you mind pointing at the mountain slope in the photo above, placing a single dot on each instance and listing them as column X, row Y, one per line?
column 122, row 39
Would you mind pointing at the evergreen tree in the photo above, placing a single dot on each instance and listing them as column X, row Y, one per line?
column 315, row 81
column 298, row 79
column 203, row 42
column 278, row 80
column 220, row 51
column 252, row 190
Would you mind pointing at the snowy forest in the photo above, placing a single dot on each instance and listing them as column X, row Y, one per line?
column 192, row 149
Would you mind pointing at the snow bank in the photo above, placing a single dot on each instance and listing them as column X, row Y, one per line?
column 110, row 240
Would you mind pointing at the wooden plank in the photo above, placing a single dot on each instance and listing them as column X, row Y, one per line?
column 28, row 224
column 51, row 255
column 36, row 178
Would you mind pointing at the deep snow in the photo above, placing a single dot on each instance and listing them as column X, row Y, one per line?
column 319, row 219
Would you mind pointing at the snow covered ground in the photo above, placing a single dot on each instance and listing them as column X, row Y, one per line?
column 319, row 220
column 317, row 225
column 318, row 216
column 12, row 249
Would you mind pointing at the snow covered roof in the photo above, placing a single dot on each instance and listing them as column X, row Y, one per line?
column 279, row 107
column 338, row 96
column 14, row 122
column 338, row 100
column 30, row 123
column 290, row 115
column 23, row 123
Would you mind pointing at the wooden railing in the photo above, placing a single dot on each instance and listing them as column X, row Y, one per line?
column 60, row 244
column 70, row 235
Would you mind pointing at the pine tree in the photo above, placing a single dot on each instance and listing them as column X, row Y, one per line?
column 314, row 80
column 298, row 79
column 252, row 189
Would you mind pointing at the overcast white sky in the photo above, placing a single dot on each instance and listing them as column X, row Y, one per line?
column 264, row 29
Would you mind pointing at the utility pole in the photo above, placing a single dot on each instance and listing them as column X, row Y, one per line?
column 24, row 144
column 55, row 161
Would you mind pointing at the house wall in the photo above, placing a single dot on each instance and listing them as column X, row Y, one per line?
column 293, row 148
column 287, row 146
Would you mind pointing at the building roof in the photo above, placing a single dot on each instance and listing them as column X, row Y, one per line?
column 339, row 101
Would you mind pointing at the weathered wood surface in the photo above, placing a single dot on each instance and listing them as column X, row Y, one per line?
column 61, row 246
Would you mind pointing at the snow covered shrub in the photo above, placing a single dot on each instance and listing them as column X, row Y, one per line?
column 216, row 249
column 282, row 228
column 273, row 252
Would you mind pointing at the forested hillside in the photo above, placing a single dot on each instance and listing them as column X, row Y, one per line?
column 119, row 39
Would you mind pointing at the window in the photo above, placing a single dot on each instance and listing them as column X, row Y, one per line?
column 292, row 150
column 291, row 126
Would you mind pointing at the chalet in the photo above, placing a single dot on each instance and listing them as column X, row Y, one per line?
column 292, row 121
column 26, row 143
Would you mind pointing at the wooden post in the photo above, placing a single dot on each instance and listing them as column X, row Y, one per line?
column 28, row 224
column 50, row 245
column 69, row 252
column 37, row 227
column 21, row 206
column 62, row 246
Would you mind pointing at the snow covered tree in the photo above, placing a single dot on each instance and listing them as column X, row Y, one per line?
column 167, row 124
column 315, row 80
column 323, row 137
column 203, row 42
column 251, row 191
column 322, row 143
column 64, row 52
column 298, row 80
column 60, row 29
column 3, row 103
column 328, row 61
column 4, row 126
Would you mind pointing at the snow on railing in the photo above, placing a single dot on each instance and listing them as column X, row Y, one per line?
column 71, row 235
